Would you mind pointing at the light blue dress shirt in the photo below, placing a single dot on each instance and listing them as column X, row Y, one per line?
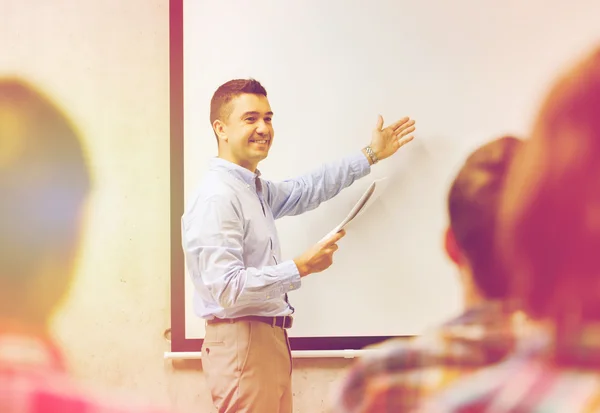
column 230, row 241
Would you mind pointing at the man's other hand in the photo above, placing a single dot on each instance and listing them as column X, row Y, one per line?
column 320, row 256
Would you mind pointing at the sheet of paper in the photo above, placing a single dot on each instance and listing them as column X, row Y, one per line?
column 373, row 192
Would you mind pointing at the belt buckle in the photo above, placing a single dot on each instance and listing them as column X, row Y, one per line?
column 284, row 321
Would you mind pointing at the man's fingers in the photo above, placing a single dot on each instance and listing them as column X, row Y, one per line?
column 404, row 127
column 399, row 123
column 339, row 235
column 332, row 248
column 403, row 132
column 334, row 238
column 379, row 125
column 405, row 140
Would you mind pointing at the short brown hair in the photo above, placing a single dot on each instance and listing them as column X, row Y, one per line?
column 229, row 90
column 473, row 202
column 44, row 178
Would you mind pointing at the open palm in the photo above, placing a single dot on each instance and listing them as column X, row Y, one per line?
column 385, row 142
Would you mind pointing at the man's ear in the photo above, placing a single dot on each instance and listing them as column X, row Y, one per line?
column 219, row 128
column 451, row 246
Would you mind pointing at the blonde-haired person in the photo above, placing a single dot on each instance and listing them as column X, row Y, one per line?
column 44, row 185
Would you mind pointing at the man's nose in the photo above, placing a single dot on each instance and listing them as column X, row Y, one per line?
column 262, row 128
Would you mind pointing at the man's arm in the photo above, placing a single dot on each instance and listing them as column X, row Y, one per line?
column 214, row 252
column 305, row 193
column 213, row 244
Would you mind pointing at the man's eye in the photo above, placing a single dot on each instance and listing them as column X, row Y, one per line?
column 268, row 120
column 250, row 119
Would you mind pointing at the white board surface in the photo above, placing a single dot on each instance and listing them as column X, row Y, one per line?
column 466, row 71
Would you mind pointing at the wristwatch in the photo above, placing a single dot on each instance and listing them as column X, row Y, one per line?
column 371, row 154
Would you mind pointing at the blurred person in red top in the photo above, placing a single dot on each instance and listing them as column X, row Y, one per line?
column 549, row 236
column 44, row 184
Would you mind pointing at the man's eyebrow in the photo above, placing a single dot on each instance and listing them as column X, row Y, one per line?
column 254, row 113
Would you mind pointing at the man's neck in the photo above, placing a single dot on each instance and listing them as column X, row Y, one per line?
column 244, row 164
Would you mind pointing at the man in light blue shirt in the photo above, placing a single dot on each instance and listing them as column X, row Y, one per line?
column 232, row 250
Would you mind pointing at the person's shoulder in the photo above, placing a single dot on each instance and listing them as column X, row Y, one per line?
column 387, row 372
column 128, row 406
column 105, row 400
column 389, row 358
column 436, row 347
column 50, row 392
column 213, row 191
column 481, row 387
column 408, row 353
column 216, row 184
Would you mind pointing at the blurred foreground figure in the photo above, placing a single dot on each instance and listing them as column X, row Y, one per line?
column 44, row 184
column 403, row 372
column 549, row 235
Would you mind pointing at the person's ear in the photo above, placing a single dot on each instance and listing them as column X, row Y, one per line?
column 451, row 246
column 220, row 130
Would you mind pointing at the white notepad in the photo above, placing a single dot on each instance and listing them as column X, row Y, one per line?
column 368, row 197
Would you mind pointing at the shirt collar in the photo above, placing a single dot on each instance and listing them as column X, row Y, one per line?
column 481, row 313
column 239, row 172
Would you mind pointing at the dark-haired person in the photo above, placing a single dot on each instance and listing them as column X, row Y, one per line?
column 233, row 254
column 397, row 376
column 549, row 237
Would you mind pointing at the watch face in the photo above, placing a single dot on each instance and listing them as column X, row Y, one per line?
column 372, row 154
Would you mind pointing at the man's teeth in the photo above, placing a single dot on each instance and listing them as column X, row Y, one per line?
column 261, row 141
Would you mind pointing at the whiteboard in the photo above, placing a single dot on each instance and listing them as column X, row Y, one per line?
column 467, row 71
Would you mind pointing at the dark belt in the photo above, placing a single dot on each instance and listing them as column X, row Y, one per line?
column 280, row 321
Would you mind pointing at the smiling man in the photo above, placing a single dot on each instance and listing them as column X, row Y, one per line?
column 247, row 136
column 233, row 254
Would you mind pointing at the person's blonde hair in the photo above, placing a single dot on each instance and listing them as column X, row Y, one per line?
column 44, row 179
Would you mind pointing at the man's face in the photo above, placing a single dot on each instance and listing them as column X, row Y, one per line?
column 246, row 135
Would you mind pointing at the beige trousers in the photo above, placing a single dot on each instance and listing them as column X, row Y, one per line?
column 248, row 367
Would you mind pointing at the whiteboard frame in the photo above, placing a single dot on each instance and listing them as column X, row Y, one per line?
column 188, row 347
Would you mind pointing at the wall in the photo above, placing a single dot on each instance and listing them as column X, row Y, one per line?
column 107, row 64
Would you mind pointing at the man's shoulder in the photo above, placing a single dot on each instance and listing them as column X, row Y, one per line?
column 214, row 189
column 217, row 183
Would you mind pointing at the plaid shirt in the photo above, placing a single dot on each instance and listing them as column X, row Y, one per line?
column 33, row 380
column 533, row 379
column 401, row 373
